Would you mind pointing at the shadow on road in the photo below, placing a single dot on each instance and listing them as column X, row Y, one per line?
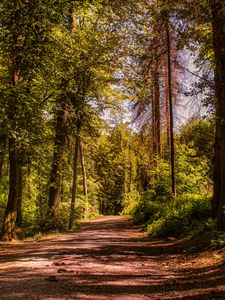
column 105, row 259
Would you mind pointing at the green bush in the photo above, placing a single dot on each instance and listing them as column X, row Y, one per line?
column 218, row 239
column 140, row 209
column 187, row 215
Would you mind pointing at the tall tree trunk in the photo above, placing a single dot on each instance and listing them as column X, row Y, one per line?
column 154, row 142
column 3, row 148
column 8, row 230
column 167, row 121
column 83, row 171
column 85, row 190
column 218, row 24
column 130, row 171
column 74, row 185
column 172, row 153
column 60, row 140
column 157, row 109
column 167, row 104
column 29, row 179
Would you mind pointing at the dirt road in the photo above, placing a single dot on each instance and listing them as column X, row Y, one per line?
column 106, row 259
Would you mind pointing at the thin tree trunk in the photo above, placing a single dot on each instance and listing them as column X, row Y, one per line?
column 62, row 189
column 130, row 171
column 19, row 217
column 157, row 110
column 218, row 24
column 154, row 145
column 29, row 179
column 156, row 113
column 83, row 171
column 74, row 185
column 60, row 140
column 167, row 121
column 172, row 153
column 3, row 148
column 167, row 109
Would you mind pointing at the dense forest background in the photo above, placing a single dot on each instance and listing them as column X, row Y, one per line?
column 90, row 97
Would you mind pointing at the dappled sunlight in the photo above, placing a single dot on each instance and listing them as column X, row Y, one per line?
column 104, row 260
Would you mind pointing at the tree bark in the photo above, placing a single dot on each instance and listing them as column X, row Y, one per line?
column 29, row 180
column 154, row 145
column 167, row 109
column 60, row 140
column 3, row 148
column 83, row 171
column 172, row 153
column 8, row 230
column 157, row 110
column 19, row 217
column 74, row 184
column 218, row 25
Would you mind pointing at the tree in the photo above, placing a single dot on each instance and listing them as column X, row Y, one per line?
column 85, row 189
column 218, row 25
column 157, row 87
column 24, row 38
column 3, row 148
column 74, row 184
column 116, row 168
column 89, row 73
column 172, row 153
column 61, row 127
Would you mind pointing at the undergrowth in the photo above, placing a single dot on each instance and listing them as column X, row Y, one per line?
column 189, row 214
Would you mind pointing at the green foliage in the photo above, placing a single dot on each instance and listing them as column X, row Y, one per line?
column 218, row 239
column 185, row 215
column 189, row 213
column 141, row 209
column 130, row 202
column 191, row 173
column 199, row 134
column 57, row 220
column 3, row 196
column 116, row 167
column 192, row 170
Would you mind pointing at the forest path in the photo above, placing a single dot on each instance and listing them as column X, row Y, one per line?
column 105, row 259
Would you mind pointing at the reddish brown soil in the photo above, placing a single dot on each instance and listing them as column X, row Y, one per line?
column 107, row 259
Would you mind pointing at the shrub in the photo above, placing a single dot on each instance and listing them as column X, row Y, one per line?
column 187, row 215
column 140, row 208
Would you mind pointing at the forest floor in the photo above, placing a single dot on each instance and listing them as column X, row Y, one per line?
column 109, row 258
